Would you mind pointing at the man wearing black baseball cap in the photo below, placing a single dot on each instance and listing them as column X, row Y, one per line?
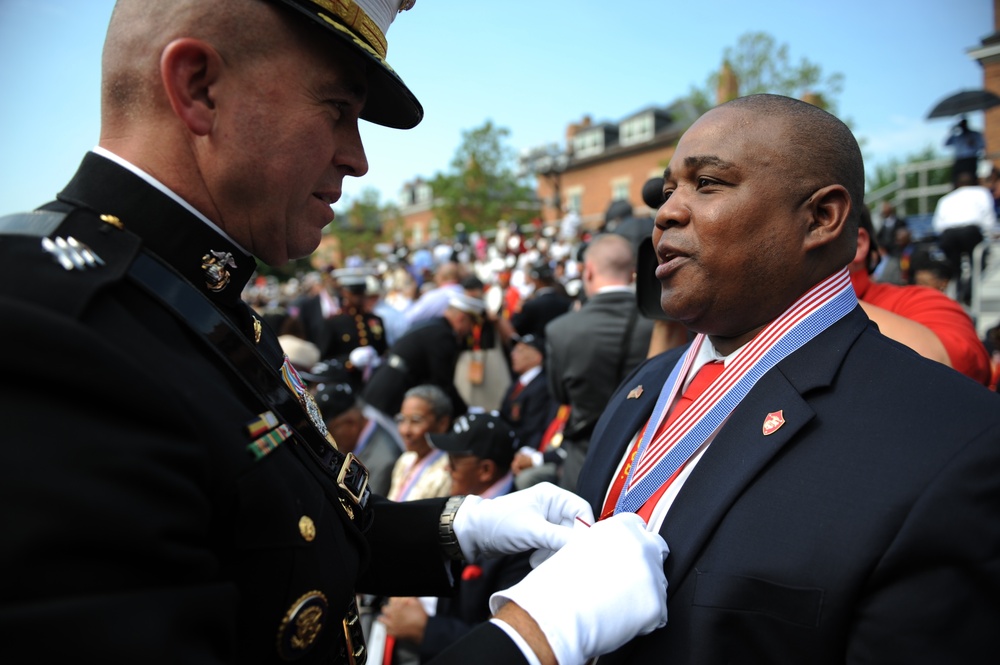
column 177, row 496
column 480, row 448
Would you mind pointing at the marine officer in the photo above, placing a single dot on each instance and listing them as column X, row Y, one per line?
column 175, row 496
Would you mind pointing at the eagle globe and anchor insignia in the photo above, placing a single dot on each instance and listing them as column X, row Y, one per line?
column 216, row 266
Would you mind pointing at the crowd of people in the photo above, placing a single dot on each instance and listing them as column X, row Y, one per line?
column 756, row 452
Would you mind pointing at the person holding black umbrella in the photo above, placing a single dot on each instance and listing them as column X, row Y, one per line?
column 968, row 144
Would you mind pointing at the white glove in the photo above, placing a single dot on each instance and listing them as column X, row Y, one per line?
column 541, row 516
column 598, row 592
column 362, row 356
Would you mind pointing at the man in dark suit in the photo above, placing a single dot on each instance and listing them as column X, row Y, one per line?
column 591, row 350
column 315, row 310
column 175, row 497
column 527, row 405
column 822, row 504
column 426, row 353
column 548, row 300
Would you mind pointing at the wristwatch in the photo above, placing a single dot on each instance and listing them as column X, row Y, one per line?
column 446, row 529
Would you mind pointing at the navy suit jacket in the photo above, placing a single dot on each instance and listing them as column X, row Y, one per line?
column 865, row 529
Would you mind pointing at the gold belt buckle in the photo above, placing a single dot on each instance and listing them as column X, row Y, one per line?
column 358, row 479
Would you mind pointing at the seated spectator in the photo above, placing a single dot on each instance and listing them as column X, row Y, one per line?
column 927, row 321
column 377, row 446
column 932, row 272
column 480, row 448
column 422, row 471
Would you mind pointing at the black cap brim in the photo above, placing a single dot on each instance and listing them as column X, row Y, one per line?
column 390, row 103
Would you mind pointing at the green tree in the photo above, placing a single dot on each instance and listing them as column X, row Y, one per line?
column 359, row 227
column 481, row 185
column 762, row 65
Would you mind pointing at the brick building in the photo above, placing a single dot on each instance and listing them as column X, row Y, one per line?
column 608, row 161
column 988, row 56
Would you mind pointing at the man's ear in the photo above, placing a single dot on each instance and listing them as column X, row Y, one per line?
column 190, row 69
column 828, row 208
column 864, row 245
column 487, row 469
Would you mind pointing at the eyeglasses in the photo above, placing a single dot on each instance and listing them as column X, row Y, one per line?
column 413, row 420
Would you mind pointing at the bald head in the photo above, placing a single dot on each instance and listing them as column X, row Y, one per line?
column 820, row 149
column 139, row 31
column 610, row 258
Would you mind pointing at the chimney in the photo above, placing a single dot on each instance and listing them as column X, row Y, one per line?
column 729, row 87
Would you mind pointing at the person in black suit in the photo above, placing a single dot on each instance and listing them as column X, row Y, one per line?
column 315, row 310
column 527, row 404
column 821, row 504
column 175, row 497
column 548, row 300
column 591, row 350
column 426, row 353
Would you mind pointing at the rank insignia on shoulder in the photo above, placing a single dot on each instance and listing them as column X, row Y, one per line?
column 71, row 254
column 216, row 266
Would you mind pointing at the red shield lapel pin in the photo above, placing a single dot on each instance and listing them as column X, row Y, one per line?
column 773, row 422
column 635, row 393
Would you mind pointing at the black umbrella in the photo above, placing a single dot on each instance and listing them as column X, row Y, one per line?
column 966, row 101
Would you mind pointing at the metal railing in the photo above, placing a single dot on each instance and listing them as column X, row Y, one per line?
column 924, row 193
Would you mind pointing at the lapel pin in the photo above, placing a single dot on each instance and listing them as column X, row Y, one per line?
column 635, row 393
column 773, row 422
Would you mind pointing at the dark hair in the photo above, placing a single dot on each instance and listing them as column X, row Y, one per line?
column 472, row 283
column 865, row 222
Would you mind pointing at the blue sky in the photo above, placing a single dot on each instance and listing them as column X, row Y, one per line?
column 532, row 67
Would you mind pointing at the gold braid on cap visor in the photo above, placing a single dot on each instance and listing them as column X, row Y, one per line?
column 357, row 20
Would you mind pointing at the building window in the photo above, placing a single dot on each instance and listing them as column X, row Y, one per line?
column 424, row 193
column 620, row 189
column 574, row 199
column 587, row 144
column 637, row 130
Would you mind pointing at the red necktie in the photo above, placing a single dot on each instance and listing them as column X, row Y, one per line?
column 701, row 381
column 518, row 387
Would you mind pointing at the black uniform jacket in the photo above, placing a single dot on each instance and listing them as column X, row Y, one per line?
column 426, row 353
column 137, row 525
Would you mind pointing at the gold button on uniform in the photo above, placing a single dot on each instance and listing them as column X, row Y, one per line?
column 307, row 528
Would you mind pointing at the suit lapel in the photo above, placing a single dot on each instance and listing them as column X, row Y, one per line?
column 742, row 450
column 627, row 412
